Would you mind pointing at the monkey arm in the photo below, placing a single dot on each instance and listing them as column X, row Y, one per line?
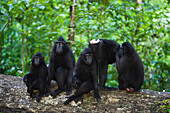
column 95, row 84
column 118, row 62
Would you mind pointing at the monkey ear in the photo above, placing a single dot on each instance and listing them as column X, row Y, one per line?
column 117, row 47
column 25, row 78
column 32, row 60
column 55, row 42
column 82, row 53
column 68, row 43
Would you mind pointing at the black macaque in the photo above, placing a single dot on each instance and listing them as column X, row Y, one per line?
column 130, row 68
column 104, row 53
column 30, row 82
column 36, row 79
column 85, row 76
column 61, row 67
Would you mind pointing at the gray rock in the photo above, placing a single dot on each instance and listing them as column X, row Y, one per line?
column 14, row 98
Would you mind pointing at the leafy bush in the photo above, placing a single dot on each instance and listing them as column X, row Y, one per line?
column 32, row 26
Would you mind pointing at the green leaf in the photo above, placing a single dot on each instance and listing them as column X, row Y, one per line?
column 168, row 106
column 166, row 100
column 6, row 6
column 1, row 13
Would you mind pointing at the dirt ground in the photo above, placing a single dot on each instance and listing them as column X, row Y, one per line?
column 14, row 98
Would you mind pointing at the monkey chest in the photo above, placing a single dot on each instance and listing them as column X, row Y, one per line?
column 61, row 61
column 84, row 74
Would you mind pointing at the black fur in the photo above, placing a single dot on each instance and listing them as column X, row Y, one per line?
column 36, row 79
column 85, row 77
column 130, row 68
column 61, row 67
column 104, row 53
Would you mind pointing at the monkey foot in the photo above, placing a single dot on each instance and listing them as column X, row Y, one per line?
column 130, row 89
column 47, row 94
column 33, row 95
column 56, row 92
column 38, row 99
column 68, row 92
column 108, row 88
column 77, row 99
column 53, row 94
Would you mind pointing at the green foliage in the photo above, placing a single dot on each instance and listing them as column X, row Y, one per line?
column 39, row 23
column 163, row 106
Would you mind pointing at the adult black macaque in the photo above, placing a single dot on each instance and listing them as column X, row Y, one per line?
column 36, row 79
column 61, row 67
column 85, row 77
column 104, row 53
column 130, row 68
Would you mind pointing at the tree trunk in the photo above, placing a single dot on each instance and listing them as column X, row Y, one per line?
column 22, row 49
column 88, row 31
column 69, row 27
column 1, row 44
column 104, row 22
column 73, row 22
column 1, row 50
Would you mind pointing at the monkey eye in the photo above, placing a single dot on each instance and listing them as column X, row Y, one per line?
column 37, row 58
column 117, row 46
column 59, row 43
column 89, row 55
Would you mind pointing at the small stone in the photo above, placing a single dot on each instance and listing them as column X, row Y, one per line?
column 112, row 100
column 120, row 109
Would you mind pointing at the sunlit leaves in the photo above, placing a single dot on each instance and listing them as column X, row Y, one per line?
column 6, row 6
column 42, row 22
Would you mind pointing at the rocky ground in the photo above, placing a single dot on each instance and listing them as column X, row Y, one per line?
column 14, row 98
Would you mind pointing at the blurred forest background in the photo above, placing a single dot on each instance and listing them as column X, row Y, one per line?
column 30, row 26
